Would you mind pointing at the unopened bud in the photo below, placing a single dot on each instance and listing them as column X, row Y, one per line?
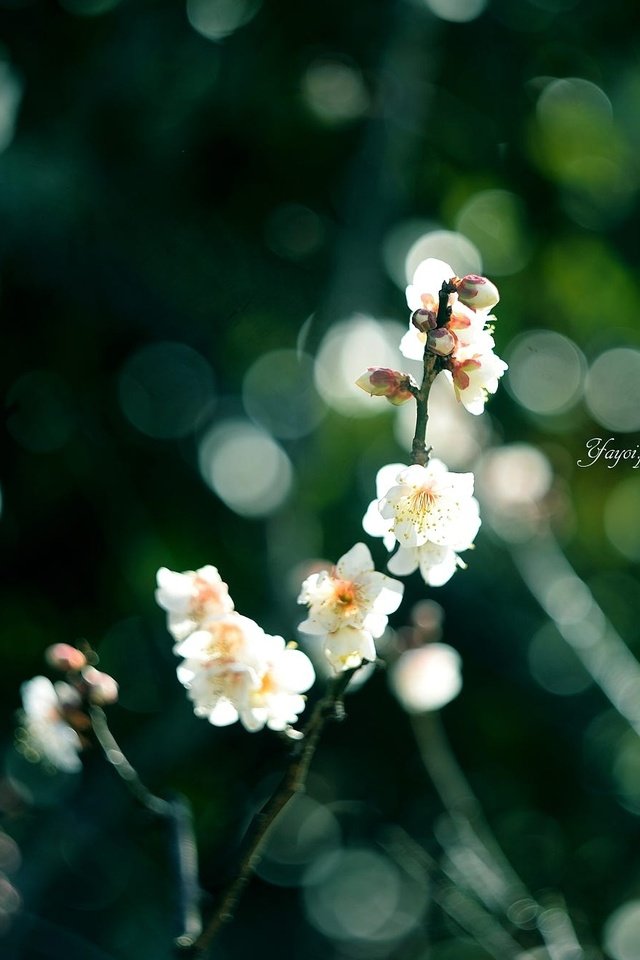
column 441, row 342
column 62, row 656
column 390, row 384
column 102, row 688
column 476, row 292
column 424, row 319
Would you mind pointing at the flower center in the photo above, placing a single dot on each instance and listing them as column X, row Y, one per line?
column 345, row 596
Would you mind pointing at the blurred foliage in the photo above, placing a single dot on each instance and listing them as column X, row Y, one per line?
column 235, row 195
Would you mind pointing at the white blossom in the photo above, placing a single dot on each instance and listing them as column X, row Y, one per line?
column 428, row 504
column 427, row 678
column 430, row 512
column 471, row 365
column 193, row 599
column 348, row 607
column 475, row 371
column 48, row 736
column 264, row 688
column 349, row 647
column 353, row 594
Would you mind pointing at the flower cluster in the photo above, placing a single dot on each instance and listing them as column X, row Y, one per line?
column 231, row 668
column 45, row 733
column 431, row 513
column 55, row 717
column 348, row 608
column 464, row 343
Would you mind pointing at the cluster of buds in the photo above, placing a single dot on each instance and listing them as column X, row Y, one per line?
column 430, row 513
column 348, row 607
column 55, row 721
column 231, row 668
column 450, row 318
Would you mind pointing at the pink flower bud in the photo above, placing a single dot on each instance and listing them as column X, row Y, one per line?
column 477, row 292
column 424, row 319
column 62, row 656
column 441, row 342
column 383, row 382
column 102, row 688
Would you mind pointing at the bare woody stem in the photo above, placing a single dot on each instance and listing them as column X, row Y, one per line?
column 176, row 812
column 293, row 781
column 431, row 368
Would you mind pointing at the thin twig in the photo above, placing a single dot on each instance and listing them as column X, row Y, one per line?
column 292, row 782
column 468, row 820
column 185, row 856
column 127, row 773
column 431, row 368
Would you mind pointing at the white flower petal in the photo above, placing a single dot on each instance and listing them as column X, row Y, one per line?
column 356, row 561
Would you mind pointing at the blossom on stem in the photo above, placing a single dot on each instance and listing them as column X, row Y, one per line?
column 264, row 688
column 192, row 599
column 475, row 373
column 430, row 512
column 349, row 606
column 464, row 343
column 231, row 668
column 45, row 733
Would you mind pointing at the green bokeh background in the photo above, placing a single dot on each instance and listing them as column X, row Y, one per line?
column 140, row 197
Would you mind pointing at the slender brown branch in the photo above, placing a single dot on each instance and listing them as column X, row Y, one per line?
column 293, row 781
column 419, row 451
column 430, row 366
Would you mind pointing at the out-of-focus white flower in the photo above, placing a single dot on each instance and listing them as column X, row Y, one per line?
column 62, row 656
column 101, row 687
column 263, row 689
column 229, row 639
column 48, row 735
column 232, row 669
column 193, row 599
column 430, row 512
column 353, row 594
column 426, row 678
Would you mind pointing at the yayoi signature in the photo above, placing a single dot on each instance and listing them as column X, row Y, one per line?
column 599, row 449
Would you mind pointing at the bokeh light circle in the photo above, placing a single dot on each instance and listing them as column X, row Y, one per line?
column 279, row 393
column 334, row 91
column 457, row 11
column 165, row 388
column 454, row 248
column 245, row 467
column 612, row 389
column 360, row 895
column 622, row 517
column 621, row 935
column 345, row 352
column 495, row 221
column 546, row 372
column 217, row 19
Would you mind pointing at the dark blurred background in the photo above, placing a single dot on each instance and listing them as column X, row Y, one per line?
column 208, row 217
